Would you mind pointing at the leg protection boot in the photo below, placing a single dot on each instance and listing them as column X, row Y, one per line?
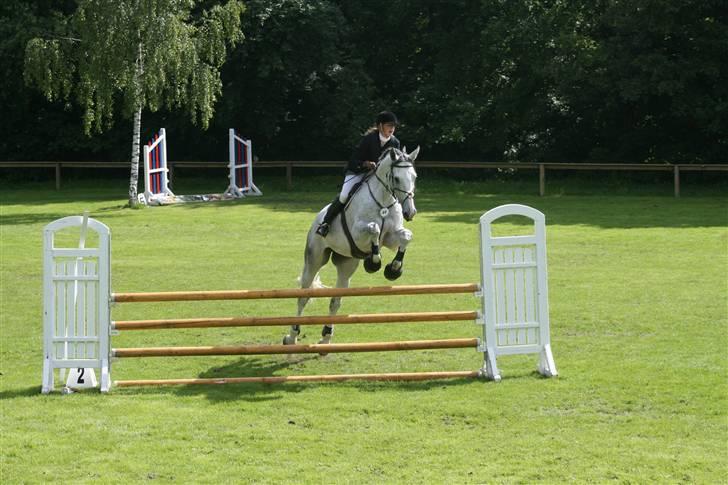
column 333, row 211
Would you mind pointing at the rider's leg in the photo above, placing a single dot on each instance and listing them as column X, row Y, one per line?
column 333, row 211
column 338, row 203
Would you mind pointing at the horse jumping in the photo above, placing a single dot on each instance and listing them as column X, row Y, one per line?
column 373, row 217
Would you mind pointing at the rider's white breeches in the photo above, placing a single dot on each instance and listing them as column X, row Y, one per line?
column 350, row 180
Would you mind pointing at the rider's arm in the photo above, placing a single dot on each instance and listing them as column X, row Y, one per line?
column 363, row 154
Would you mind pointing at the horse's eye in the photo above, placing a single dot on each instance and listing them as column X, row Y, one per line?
column 396, row 180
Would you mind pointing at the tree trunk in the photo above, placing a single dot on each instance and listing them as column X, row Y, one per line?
column 137, row 128
column 135, row 142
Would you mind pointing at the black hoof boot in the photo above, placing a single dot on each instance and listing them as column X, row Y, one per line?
column 370, row 266
column 392, row 274
column 323, row 229
column 326, row 334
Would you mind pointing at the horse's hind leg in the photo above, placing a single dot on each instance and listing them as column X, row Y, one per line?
column 314, row 260
column 345, row 268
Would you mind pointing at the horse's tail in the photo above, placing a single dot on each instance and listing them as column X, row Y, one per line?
column 317, row 283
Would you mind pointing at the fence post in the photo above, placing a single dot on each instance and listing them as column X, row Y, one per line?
column 289, row 175
column 541, row 179
column 676, row 172
column 58, row 176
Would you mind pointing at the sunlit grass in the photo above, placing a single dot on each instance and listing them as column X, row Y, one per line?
column 639, row 320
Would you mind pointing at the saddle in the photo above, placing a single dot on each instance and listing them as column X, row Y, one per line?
column 355, row 251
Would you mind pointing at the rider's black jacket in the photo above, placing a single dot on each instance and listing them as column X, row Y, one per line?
column 369, row 148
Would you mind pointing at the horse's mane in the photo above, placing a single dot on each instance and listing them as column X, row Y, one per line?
column 386, row 152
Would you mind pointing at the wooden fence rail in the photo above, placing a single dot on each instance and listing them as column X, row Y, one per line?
column 259, row 349
column 676, row 169
column 408, row 317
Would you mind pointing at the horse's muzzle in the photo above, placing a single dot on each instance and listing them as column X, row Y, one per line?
column 408, row 208
column 409, row 215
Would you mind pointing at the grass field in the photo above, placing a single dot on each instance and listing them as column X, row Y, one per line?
column 639, row 316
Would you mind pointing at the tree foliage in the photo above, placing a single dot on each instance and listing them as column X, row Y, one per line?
column 148, row 53
column 532, row 80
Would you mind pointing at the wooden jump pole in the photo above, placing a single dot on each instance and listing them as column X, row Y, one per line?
column 294, row 293
column 295, row 349
column 305, row 320
column 404, row 376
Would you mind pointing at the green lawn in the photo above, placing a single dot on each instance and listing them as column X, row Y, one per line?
column 639, row 317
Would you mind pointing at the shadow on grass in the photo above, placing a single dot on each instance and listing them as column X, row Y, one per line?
column 20, row 392
column 104, row 214
column 248, row 367
column 262, row 392
column 269, row 392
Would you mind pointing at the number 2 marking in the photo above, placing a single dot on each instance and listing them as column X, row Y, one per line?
column 80, row 376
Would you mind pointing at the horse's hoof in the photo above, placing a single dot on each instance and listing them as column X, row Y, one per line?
column 289, row 340
column 370, row 266
column 392, row 274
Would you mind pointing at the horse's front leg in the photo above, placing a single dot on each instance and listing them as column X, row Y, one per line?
column 394, row 269
column 373, row 262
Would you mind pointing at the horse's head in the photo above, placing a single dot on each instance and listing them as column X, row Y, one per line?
column 398, row 169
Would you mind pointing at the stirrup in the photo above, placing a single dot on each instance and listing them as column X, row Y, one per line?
column 323, row 229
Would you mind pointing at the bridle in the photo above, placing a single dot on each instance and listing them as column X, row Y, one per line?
column 399, row 162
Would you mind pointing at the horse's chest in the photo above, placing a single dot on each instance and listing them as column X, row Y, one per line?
column 388, row 222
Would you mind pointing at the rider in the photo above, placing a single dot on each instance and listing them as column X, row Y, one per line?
column 373, row 143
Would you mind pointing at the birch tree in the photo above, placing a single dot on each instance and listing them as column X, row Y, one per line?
column 141, row 54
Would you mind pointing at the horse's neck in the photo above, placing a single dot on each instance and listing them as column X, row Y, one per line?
column 379, row 189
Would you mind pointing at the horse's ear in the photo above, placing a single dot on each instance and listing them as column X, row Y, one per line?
column 412, row 156
column 404, row 149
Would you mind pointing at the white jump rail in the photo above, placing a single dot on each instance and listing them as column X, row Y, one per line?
column 513, row 293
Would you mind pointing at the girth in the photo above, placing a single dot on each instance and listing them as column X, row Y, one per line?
column 355, row 251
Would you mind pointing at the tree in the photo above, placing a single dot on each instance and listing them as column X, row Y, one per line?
column 294, row 85
column 648, row 80
column 140, row 53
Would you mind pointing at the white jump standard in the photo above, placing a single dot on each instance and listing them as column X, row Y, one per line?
column 78, row 298
column 76, row 302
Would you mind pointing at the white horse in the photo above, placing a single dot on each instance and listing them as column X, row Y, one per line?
column 373, row 217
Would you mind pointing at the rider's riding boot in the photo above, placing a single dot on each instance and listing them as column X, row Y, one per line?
column 331, row 213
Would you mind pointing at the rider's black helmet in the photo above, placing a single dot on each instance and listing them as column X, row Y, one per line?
column 387, row 117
